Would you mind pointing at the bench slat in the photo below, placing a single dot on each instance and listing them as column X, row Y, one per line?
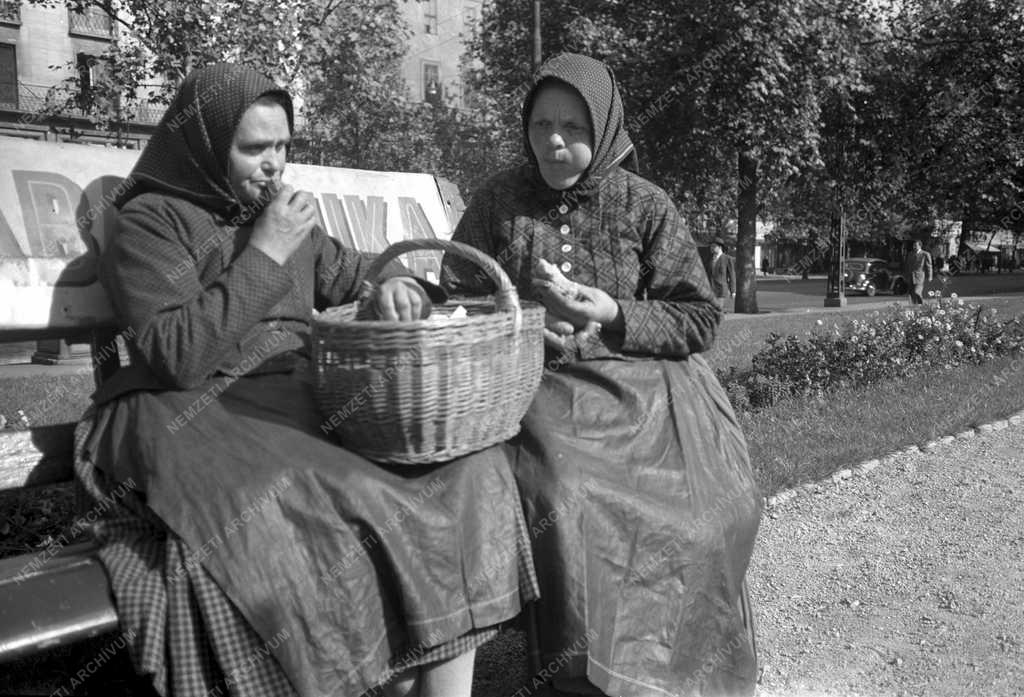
column 43, row 455
column 48, row 602
column 66, row 308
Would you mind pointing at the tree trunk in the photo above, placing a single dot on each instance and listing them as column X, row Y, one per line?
column 746, row 234
column 537, row 53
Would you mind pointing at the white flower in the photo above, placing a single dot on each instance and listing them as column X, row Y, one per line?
column 953, row 296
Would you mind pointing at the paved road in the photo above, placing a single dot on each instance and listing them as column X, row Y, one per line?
column 782, row 294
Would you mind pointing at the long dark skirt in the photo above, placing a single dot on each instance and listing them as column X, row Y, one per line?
column 250, row 554
column 643, row 513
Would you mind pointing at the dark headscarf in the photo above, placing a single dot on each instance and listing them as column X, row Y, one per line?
column 188, row 154
column 596, row 83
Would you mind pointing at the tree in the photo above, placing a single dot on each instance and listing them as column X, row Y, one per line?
column 724, row 99
column 342, row 55
column 965, row 111
column 935, row 130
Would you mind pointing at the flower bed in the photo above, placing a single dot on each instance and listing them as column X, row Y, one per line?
column 888, row 344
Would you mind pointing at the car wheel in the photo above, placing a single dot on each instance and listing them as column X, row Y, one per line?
column 899, row 287
column 870, row 290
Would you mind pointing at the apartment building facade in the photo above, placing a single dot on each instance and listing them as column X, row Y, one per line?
column 41, row 45
column 439, row 29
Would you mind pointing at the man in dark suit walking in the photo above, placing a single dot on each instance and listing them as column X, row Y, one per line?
column 919, row 269
column 721, row 273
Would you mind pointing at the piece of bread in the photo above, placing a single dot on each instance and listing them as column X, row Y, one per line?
column 551, row 277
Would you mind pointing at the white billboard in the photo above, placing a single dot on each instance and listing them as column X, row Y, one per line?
column 56, row 211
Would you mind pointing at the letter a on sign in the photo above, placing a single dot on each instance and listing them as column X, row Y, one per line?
column 414, row 220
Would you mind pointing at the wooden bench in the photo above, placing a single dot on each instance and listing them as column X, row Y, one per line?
column 61, row 595
column 53, row 222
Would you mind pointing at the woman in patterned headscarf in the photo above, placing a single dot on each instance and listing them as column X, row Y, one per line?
column 635, row 475
column 252, row 555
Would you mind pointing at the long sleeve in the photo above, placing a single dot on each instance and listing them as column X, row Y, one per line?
column 459, row 276
column 183, row 328
column 339, row 271
column 675, row 314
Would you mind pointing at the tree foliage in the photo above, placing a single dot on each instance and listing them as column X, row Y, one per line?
column 342, row 58
column 897, row 114
column 703, row 83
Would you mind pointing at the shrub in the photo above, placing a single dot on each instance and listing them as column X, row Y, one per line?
column 882, row 345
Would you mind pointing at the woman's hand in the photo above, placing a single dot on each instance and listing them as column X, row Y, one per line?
column 401, row 298
column 566, row 342
column 583, row 305
column 572, row 302
column 284, row 224
column 555, row 324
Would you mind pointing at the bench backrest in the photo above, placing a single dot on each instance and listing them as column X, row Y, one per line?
column 56, row 213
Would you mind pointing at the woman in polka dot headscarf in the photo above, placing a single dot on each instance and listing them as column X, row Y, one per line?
column 251, row 554
column 635, row 475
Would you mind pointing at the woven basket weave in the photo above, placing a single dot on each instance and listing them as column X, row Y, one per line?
column 429, row 390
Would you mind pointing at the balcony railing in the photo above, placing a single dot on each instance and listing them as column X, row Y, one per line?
column 10, row 11
column 32, row 99
column 92, row 22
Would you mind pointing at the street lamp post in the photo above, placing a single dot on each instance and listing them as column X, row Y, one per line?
column 835, row 292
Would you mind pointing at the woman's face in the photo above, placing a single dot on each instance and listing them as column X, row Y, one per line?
column 259, row 150
column 560, row 135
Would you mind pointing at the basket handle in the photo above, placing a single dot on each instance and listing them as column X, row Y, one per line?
column 506, row 297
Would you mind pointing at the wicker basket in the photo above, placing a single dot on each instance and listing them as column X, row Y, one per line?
column 428, row 390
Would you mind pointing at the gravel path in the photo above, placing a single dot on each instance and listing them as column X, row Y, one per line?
column 905, row 580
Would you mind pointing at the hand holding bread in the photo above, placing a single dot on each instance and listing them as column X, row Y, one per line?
column 573, row 303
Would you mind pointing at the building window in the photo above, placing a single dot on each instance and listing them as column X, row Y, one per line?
column 87, row 73
column 10, row 11
column 432, row 83
column 91, row 21
column 430, row 17
column 8, row 76
column 453, row 91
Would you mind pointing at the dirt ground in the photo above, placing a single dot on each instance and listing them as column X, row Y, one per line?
column 906, row 580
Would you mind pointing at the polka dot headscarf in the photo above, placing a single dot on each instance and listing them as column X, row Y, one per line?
column 596, row 83
column 188, row 154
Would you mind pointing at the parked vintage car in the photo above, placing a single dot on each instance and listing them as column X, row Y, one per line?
column 869, row 275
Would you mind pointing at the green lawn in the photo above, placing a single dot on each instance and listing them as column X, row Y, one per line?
column 799, row 441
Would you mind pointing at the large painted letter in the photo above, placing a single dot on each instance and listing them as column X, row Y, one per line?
column 336, row 219
column 368, row 222
column 48, row 203
column 414, row 220
column 9, row 246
